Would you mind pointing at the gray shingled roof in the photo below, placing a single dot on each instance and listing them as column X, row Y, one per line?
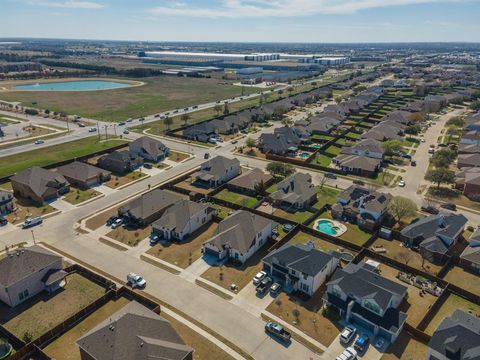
column 134, row 333
column 178, row 215
column 81, row 171
column 214, row 168
column 238, row 231
column 250, row 178
column 296, row 188
column 441, row 224
column 457, row 336
column 301, row 258
column 23, row 263
column 150, row 203
column 150, row 145
column 38, row 179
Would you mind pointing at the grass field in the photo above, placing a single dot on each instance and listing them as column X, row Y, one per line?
column 158, row 94
column 52, row 154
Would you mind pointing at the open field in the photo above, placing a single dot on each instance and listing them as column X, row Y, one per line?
column 65, row 348
column 53, row 154
column 43, row 312
column 158, row 94
column 310, row 318
column 228, row 274
column 184, row 253
column 452, row 303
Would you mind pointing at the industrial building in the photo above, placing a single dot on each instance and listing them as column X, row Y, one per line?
column 211, row 56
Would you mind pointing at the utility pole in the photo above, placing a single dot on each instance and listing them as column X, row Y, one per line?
column 115, row 129
column 106, row 133
column 98, row 131
column 33, row 237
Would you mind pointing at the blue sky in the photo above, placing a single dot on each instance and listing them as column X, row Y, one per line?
column 244, row 20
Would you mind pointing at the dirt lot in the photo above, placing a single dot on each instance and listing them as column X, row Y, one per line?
column 185, row 253
column 130, row 237
column 310, row 319
column 119, row 180
column 415, row 305
column 26, row 209
column 65, row 348
column 406, row 348
column 412, row 258
column 229, row 274
column 43, row 312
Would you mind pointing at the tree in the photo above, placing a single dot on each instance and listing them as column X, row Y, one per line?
column 290, row 89
column 443, row 157
column 401, row 207
column 226, row 110
column 261, row 188
column 322, row 181
column 456, row 121
column 392, row 146
column 277, row 168
column 440, row 176
column 413, row 129
column 217, row 108
column 168, row 122
column 405, row 256
column 280, row 92
column 475, row 105
column 185, row 118
column 250, row 142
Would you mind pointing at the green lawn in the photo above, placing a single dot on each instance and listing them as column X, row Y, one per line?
column 77, row 196
column 297, row 216
column 235, row 198
column 53, row 154
column 322, row 160
column 334, row 150
column 353, row 235
column 326, row 195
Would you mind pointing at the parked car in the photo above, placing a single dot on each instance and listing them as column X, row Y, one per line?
column 116, row 223
column 154, row 238
column 347, row 334
column 82, row 125
column 136, row 281
column 401, row 183
column 359, row 182
column 275, row 289
column 126, row 132
column 39, row 141
column 348, row 354
column 129, row 120
column 121, row 123
column 111, row 220
column 264, row 285
column 449, row 206
column 233, row 142
column 206, row 156
column 259, row 277
column 430, row 209
column 212, row 141
column 147, row 166
column 362, row 343
column 37, row 220
column 3, row 221
column 277, row 330
column 330, row 175
column 413, row 163
column 92, row 129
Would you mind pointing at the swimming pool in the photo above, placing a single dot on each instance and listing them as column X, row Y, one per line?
column 81, row 85
column 327, row 227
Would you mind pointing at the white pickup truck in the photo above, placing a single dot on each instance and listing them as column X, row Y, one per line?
column 136, row 281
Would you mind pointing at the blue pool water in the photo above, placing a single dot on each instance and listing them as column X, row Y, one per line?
column 327, row 227
column 81, row 85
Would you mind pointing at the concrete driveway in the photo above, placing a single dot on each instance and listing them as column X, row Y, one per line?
column 248, row 300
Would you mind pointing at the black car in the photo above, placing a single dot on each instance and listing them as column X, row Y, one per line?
column 413, row 163
column 449, row 206
column 330, row 175
column 147, row 166
column 3, row 221
column 111, row 220
column 264, row 285
column 358, row 182
column 430, row 209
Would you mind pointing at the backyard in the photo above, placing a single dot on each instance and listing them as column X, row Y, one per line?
column 43, row 312
column 53, row 154
column 228, row 274
column 405, row 348
column 463, row 279
column 187, row 185
column 307, row 316
column 183, row 254
column 235, row 198
column 452, row 303
column 326, row 195
column 299, row 216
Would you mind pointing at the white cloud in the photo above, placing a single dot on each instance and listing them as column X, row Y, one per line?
column 68, row 4
column 279, row 8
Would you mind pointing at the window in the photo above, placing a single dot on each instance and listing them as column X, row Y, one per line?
column 372, row 307
column 305, row 287
column 25, row 293
column 20, row 296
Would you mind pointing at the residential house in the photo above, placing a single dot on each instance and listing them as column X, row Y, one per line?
column 248, row 182
column 149, row 149
column 239, row 236
column 470, row 257
column 182, row 219
column 283, row 141
column 470, row 137
column 148, row 207
column 469, row 149
column 434, row 103
column 472, row 127
column 457, row 337
column 83, row 175
column 295, row 192
column 321, row 125
column 28, row 271
column 120, row 162
column 434, row 235
column 362, row 296
column 39, row 185
column 133, row 333
column 361, row 206
column 201, row 132
column 367, row 147
column 383, row 132
column 468, row 160
column 301, row 268
column 468, row 181
column 217, row 171
column 472, row 118
column 358, row 165
column 7, row 202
